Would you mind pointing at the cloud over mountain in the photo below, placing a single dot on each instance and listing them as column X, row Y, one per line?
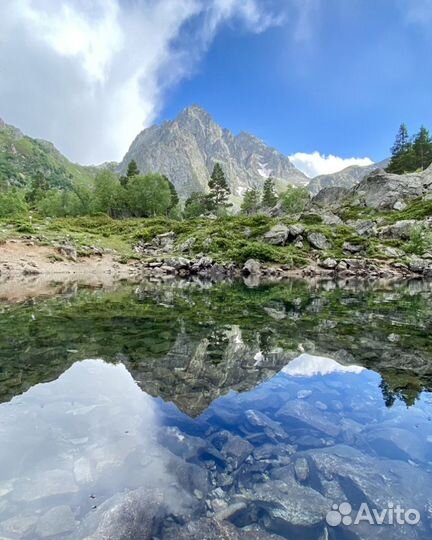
column 314, row 164
column 90, row 74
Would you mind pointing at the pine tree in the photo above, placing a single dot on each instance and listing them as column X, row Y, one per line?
column 251, row 202
column 132, row 171
column 219, row 189
column 174, row 195
column 402, row 155
column 422, row 146
column 269, row 198
column 402, row 142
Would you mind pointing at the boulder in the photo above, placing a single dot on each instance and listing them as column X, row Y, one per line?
column 251, row 267
column 401, row 230
column 289, row 507
column 318, row 241
column 57, row 521
column 212, row 529
column 187, row 245
column 295, row 230
column 301, row 468
column 419, row 265
column 237, row 449
column 382, row 191
column 277, row 235
column 261, row 422
column 331, row 198
column 164, row 240
column 125, row 516
column 363, row 227
column 352, row 248
column 302, row 413
column 328, row 264
column 392, row 252
column 298, row 242
column 68, row 252
column 331, row 219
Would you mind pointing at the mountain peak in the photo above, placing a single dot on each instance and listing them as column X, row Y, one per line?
column 195, row 112
column 186, row 150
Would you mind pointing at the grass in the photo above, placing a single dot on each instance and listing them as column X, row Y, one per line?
column 226, row 239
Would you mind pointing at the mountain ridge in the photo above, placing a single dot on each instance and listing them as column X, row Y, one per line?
column 186, row 149
column 347, row 177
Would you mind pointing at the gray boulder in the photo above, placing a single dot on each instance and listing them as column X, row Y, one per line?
column 318, row 241
column 392, row 252
column 165, row 240
column 331, row 219
column 401, row 230
column 382, row 191
column 187, row 245
column 352, row 248
column 125, row 516
column 212, row 529
column 251, row 267
column 295, row 230
column 419, row 265
column 277, row 235
column 330, row 198
column 329, row 263
column 363, row 227
column 289, row 505
column 237, row 449
column 300, row 412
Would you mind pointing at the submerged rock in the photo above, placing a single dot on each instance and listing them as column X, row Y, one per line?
column 303, row 413
column 126, row 516
column 288, row 506
column 58, row 520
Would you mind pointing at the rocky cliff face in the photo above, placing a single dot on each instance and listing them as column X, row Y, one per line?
column 347, row 178
column 187, row 148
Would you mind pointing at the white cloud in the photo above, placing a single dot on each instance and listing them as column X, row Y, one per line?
column 315, row 163
column 90, row 74
column 308, row 365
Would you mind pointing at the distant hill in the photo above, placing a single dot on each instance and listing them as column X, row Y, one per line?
column 23, row 158
column 347, row 178
column 187, row 148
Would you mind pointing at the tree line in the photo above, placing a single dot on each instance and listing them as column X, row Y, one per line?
column 409, row 154
column 137, row 195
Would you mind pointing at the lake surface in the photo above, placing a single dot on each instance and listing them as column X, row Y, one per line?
column 195, row 410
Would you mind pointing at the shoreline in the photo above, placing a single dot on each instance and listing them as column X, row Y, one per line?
column 29, row 270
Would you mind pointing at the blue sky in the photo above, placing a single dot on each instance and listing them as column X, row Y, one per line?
column 313, row 78
column 343, row 87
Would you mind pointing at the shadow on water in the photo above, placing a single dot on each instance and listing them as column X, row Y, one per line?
column 218, row 412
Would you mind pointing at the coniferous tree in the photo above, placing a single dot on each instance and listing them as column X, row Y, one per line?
column 269, row 198
column 402, row 141
column 402, row 154
column 251, row 202
column 219, row 189
column 174, row 195
column 422, row 146
column 132, row 171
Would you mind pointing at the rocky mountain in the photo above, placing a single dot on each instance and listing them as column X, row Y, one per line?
column 346, row 178
column 22, row 158
column 187, row 148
